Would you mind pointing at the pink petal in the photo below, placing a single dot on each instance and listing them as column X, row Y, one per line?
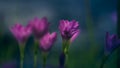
column 53, row 36
column 61, row 26
column 74, row 36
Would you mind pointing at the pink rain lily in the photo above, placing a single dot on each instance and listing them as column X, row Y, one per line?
column 47, row 41
column 69, row 29
column 21, row 33
column 39, row 26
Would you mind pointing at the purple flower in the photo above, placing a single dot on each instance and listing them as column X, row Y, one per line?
column 69, row 29
column 47, row 41
column 112, row 43
column 20, row 33
column 39, row 27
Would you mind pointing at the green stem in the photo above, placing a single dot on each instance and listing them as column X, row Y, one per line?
column 65, row 50
column 66, row 60
column 104, row 60
column 21, row 55
column 105, row 57
column 35, row 61
column 44, row 55
column 35, row 53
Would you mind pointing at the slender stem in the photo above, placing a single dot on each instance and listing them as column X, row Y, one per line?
column 44, row 55
column 35, row 61
column 21, row 55
column 66, row 60
column 21, row 62
column 65, row 51
column 106, row 56
column 35, row 53
column 103, row 61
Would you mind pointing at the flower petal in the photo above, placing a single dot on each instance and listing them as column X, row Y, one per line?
column 74, row 36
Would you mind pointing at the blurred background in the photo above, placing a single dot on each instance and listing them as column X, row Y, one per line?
column 96, row 17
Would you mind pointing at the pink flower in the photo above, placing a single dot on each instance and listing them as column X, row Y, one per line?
column 20, row 33
column 47, row 41
column 39, row 27
column 69, row 29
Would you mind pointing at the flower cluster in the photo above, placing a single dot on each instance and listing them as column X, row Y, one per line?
column 40, row 29
column 69, row 31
